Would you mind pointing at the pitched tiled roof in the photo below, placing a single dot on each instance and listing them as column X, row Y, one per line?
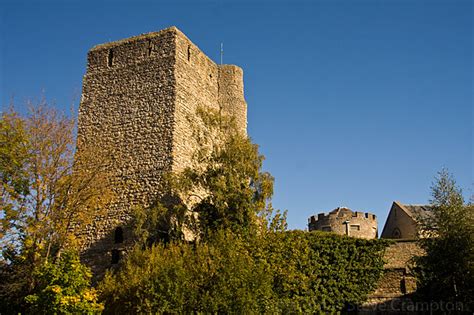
column 416, row 211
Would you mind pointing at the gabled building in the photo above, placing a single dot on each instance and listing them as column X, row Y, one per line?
column 402, row 220
column 397, row 284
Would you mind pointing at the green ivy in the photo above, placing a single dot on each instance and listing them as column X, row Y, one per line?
column 274, row 272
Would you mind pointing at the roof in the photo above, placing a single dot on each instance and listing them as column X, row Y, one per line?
column 415, row 211
column 341, row 211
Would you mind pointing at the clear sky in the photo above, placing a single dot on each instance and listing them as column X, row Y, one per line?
column 353, row 103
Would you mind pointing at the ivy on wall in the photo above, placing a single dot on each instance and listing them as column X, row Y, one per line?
column 272, row 272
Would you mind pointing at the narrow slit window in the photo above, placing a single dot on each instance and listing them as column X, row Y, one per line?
column 150, row 48
column 110, row 58
column 118, row 237
column 189, row 52
column 115, row 256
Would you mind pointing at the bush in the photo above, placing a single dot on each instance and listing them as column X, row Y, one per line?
column 272, row 272
column 63, row 287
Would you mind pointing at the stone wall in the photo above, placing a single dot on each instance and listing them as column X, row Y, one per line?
column 139, row 99
column 396, row 284
column 231, row 87
column 344, row 221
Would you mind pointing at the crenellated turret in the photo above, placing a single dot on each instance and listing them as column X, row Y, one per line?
column 344, row 221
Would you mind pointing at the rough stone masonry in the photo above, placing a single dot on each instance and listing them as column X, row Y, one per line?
column 138, row 95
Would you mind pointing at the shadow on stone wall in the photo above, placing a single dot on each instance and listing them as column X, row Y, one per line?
column 109, row 251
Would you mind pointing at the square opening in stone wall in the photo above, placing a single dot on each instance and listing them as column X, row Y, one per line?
column 355, row 227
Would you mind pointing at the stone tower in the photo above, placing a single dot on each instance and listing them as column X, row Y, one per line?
column 138, row 95
column 344, row 221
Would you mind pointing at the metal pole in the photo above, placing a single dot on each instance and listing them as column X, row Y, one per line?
column 222, row 52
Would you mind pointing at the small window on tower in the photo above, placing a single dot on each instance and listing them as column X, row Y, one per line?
column 110, row 58
column 150, row 48
column 115, row 256
column 355, row 227
column 118, row 235
column 189, row 52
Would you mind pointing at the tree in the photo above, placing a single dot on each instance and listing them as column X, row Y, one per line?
column 244, row 260
column 63, row 287
column 13, row 156
column 224, row 188
column 48, row 191
column 446, row 272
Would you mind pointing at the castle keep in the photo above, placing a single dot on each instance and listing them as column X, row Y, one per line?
column 138, row 96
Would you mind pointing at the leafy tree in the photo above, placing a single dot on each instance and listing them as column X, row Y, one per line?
column 216, row 276
column 48, row 190
column 446, row 272
column 63, row 287
column 13, row 155
column 224, row 187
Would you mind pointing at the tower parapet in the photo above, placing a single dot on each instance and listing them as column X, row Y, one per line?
column 344, row 221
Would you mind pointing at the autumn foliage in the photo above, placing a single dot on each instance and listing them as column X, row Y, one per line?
column 48, row 191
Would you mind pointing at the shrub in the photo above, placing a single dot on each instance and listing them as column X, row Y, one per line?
column 63, row 287
column 272, row 272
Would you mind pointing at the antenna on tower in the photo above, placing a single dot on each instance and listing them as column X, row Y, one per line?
column 222, row 52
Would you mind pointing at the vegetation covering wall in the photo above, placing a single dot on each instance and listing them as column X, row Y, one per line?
column 272, row 272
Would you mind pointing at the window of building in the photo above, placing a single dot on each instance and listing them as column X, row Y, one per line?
column 150, row 48
column 355, row 227
column 115, row 256
column 376, row 232
column 396, row 233
column 118, row 237
column 110, row 58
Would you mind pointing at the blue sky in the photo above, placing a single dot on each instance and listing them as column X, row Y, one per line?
column 354, row 103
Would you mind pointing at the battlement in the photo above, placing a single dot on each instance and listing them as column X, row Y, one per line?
column 344, row 221
column 147, row 52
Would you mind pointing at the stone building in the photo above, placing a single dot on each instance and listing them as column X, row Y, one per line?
column 344, row 221
column 139, row 95
column 397, row 284
column 402, row 220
